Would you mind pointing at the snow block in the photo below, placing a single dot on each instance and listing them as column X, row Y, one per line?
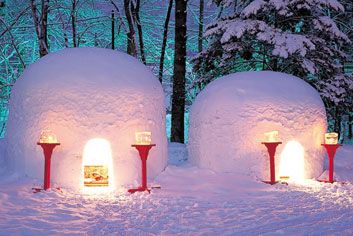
column 81, row 94
column 230, row 116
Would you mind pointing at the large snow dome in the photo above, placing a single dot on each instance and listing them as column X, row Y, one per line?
column 93, row 100
column 230, row 116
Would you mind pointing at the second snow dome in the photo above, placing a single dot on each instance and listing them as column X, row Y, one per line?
column 230, row 116
column 93, row 100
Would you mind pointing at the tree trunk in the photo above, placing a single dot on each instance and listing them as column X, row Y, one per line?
column 45, row 9
column 200, row 25
column 96, row 40
column 350, row 124
column 136, row 13
column 113, row 30
column 41, row 26
column 131, row 44
column 178, row 100
column 73, row 23
column 164, row 43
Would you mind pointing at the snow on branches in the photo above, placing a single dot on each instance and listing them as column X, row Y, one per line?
column 293, row 36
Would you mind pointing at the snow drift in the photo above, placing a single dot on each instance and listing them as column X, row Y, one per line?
column 230, row 116
column 82, row 94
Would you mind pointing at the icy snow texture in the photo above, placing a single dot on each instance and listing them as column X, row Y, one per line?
column 230, row 116
column 192, row 201
column 81, row 94
column 2, row 146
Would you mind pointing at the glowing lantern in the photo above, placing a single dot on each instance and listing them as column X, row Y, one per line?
column 143, row 138
column 331, row 138
column 47, row 136
column 271, row 137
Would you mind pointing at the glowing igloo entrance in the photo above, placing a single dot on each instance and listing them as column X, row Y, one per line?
column 291, row 166
column 97, row 166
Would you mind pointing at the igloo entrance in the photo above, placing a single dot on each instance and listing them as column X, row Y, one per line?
column 292, row 162
column 97, row 166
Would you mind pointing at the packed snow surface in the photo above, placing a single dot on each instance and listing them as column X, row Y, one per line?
column 230, row 116
column 191, row 201
column 81, row 94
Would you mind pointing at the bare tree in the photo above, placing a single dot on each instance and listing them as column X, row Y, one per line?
column 41, row 25
column 73, row 23
column 164, row 42
column 131, row 43
column 14, row 44
column 136, row 14
column 113, row 30
column 178, row 99
column 200, row 25
column 63, row 24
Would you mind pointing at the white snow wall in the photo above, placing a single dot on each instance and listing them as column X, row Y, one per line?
column 81, row 94
column 230, row 116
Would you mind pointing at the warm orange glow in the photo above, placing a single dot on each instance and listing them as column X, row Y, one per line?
column 97, row 167
column 271, row 137
column 47, row 136
column 292, row 162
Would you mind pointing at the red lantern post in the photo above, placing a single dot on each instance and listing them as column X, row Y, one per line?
column 48, row 151
column 271, row 149
column 331, row 151
column 143, row 150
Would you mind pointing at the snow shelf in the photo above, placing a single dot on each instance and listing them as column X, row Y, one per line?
column 230, row 116
column 82, row 94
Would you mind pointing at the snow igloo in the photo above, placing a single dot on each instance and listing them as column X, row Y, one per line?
column 230, row 116
column 93, row 100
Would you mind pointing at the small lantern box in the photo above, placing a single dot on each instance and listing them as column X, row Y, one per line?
column 47, row 136
column 271, row 137
column 143, row 138
column 331, row 138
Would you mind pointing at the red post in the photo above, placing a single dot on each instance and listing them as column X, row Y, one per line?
column 331, row 152
column 143, row 152
column 271, row 149
column 48, row 151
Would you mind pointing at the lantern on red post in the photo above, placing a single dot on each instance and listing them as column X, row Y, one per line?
column 143, row 146
column 271, row 143
column 331, row 145
column 48, row 142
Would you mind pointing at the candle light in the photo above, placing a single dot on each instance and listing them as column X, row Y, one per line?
column 331, row 138
column 47, row 136
column 143, row 138
column 271, row 137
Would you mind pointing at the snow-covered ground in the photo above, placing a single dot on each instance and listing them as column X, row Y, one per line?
column 191, row 201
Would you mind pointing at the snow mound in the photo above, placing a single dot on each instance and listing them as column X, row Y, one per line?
column 82, row 94
column 230, row 116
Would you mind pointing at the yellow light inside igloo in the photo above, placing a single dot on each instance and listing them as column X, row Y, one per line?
column 292, row 162
column 143, row 138
column 272, row 136
column 331, row 138
column 97, row 167
column 47, row 136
